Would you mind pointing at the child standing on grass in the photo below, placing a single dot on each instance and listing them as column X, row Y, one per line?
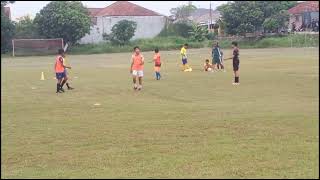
column 59, row 68
column 183, row 53
column 137, row 62
column 157, row 63
column 217, row 56
column 235, row 62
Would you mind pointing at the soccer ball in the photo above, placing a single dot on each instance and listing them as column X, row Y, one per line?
column 209, row 69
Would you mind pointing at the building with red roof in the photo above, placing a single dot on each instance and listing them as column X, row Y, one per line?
column 149, row 23
column 304, row 13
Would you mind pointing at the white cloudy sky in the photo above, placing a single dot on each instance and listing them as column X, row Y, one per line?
column 22, row 8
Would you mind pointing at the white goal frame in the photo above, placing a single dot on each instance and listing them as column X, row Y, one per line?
column 13, row 47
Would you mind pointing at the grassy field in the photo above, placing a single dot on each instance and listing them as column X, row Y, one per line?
column 188, row 125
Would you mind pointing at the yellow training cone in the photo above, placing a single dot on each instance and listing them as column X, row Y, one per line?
column 42, row 76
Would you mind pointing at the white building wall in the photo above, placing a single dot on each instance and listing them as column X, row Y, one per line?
column 147, row 27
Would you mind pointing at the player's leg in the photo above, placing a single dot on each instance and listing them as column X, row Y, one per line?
column 222, row 67
column 59, row 81
column 134, row 79
column 236, row 73
column 159, row 72
column 58, row 84
column 156, row 72
column 140, row 75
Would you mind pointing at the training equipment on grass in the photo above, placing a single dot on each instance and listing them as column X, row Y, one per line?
column 42, row 76
column 36, row 46
column 188, row 70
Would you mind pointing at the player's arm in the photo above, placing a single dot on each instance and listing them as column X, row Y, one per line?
column 131, row 64
column 64, row 64
column 142, row 60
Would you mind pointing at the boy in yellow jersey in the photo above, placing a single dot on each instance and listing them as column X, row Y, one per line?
column 183, row 53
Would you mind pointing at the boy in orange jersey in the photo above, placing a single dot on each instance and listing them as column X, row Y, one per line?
column 157, row 63
column 136, row 68
column 60, row 70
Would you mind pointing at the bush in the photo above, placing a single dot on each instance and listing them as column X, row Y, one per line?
column 121, row 33
column 175, row 43
column 163, row 43
column 181, row 29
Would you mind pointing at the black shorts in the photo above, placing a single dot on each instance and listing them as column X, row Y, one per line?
column 236, row 63
column 157, row 65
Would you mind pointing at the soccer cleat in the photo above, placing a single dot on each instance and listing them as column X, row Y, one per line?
column 235, row 83
column 70, row 88
column 135, row 87
column 61, row 89
column 139, row 88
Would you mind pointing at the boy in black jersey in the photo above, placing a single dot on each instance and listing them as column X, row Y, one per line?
column 235, row 62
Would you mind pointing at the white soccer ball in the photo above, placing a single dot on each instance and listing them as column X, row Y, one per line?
column 209, row 69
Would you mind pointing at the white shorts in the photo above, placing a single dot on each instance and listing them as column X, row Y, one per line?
column 138, row 73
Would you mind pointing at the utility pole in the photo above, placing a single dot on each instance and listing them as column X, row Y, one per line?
column 210, row 17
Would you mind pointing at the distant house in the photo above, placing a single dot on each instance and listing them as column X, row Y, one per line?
column 203, row 17
column 149, row 23
column 7, row 12
column 303, row 13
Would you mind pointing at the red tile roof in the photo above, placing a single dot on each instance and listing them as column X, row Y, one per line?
column 7, row 12
column 94, row 11
column 125, row 8
column 307, row 6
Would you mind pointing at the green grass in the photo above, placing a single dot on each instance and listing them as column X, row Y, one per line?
column 188, row 125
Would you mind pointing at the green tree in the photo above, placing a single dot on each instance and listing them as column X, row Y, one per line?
column 63, row 19
column 270, row 8
column 241, row 17
column 246, row 16
column 183, row 12
column 7, row 29
column 26, row 28
column 199, row 33
column 121, row 32
column 277, row 21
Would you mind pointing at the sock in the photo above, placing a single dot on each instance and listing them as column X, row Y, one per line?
column 236, row 79
column 159, row 75
column 58, row 87
column 68, row 85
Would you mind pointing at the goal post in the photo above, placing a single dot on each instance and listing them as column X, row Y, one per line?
column 25, row 47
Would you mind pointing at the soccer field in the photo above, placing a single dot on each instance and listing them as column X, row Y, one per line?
column 187, row 125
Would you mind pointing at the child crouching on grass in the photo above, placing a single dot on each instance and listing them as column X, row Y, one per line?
column 207, row 66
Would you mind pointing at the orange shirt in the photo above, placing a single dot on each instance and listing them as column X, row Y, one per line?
column 137, row 60
column 156, row 58
column 59, row 64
